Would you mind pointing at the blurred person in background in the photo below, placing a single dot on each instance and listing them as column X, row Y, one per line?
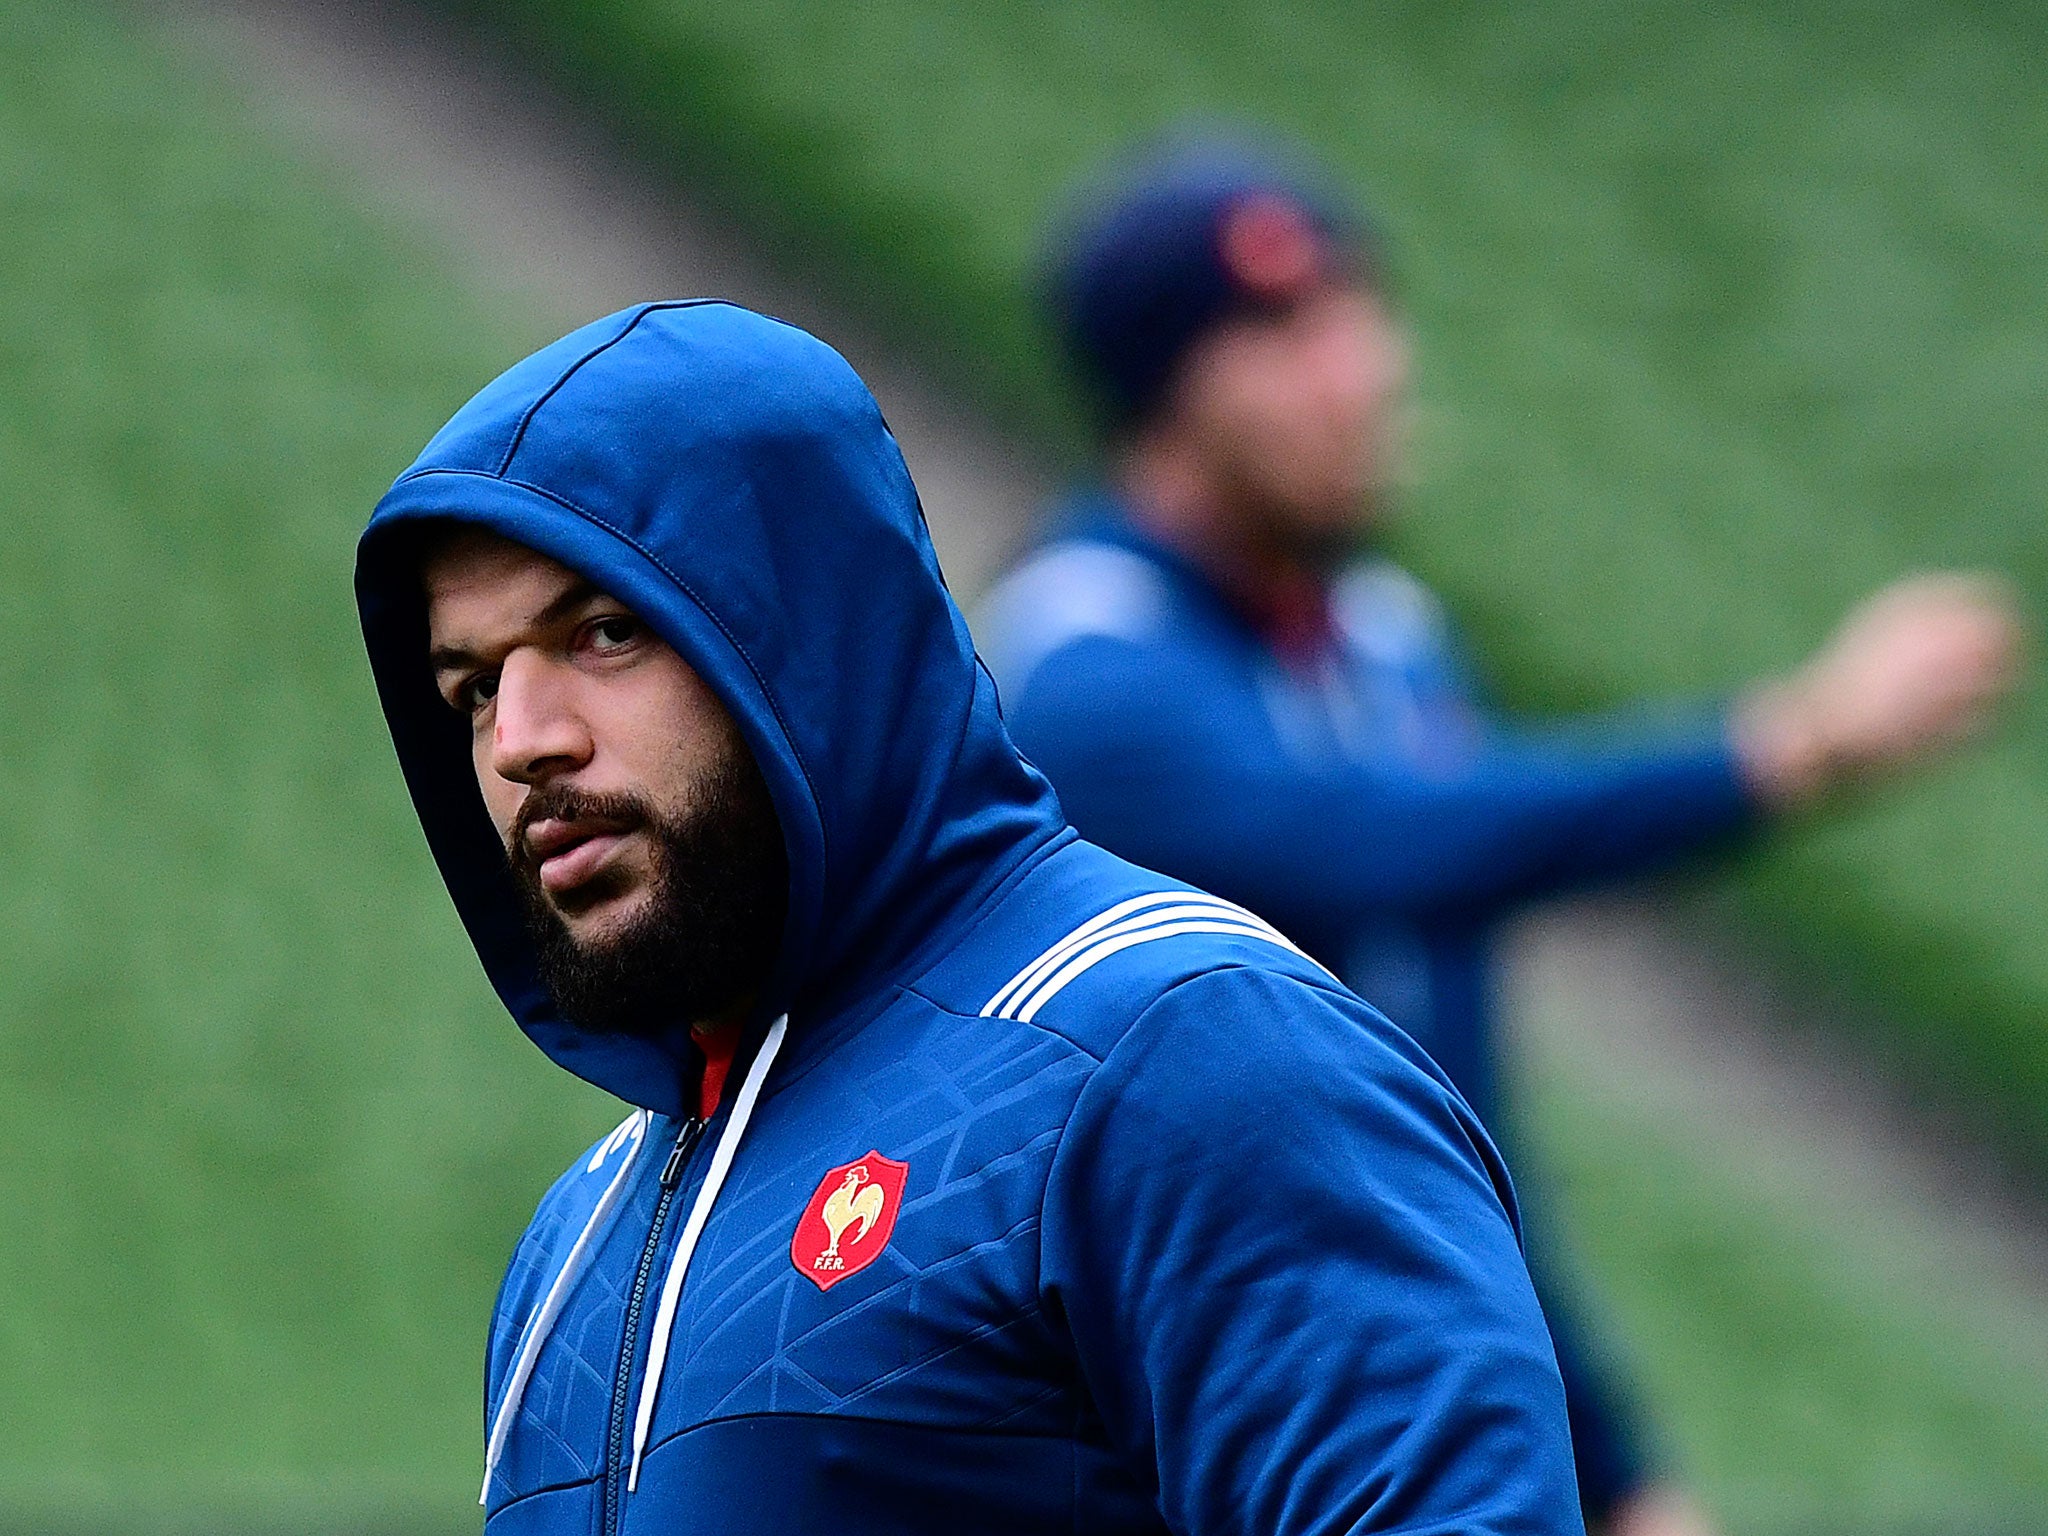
column 1225, row 681
column 976, row 1180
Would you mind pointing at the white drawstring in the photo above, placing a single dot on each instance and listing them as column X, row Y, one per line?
column 542, row 1322
column 700, row 1212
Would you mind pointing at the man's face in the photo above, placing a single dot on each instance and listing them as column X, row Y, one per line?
column 1298, row 413
column 634, row 818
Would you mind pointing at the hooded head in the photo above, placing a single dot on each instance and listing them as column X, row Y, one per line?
column 729, row 479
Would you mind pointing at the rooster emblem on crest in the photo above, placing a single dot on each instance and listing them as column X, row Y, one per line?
column 856, row 1199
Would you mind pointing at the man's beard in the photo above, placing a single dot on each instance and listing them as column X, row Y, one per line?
column 708, row 931
column 1327, row 549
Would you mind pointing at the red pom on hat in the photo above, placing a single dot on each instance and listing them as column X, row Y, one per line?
column 1271, row 248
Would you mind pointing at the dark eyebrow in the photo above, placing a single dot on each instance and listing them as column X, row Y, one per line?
column 578, row 594
column 450, row 658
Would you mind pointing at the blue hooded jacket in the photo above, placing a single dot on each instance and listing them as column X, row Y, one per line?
column 1056, row 1196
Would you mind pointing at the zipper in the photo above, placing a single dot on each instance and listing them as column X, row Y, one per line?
column 622, row 1382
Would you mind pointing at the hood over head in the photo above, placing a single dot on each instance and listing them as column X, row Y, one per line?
column 731, row 480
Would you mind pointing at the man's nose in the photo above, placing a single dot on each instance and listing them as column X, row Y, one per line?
column 536, row 730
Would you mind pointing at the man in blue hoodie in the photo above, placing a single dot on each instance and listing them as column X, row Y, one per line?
column 1217, row 691
column 975, row 1180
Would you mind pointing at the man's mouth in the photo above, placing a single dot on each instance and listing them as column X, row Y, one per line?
column 566, row 854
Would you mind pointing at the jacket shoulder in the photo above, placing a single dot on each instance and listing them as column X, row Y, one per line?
column 1388, row 614
column 1086, row 942
column 1072, row 589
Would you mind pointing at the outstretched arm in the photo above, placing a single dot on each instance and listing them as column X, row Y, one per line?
column 1165, row 763
column 1157, row 758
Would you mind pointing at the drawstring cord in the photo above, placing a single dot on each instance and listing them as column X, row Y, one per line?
column 686, row 1245
column 542, row 1323
column 633, row 1129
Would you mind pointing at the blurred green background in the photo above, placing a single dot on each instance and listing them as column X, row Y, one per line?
column 1741, row 306
column 264, row 1133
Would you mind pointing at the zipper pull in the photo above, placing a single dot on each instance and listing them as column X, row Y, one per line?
column 686, row 1138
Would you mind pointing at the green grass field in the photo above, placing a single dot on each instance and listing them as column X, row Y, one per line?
column 1824, row 1357
column 265, row 1139
column 1727, row 314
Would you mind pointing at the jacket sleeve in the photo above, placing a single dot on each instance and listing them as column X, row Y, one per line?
column 1162, row 760
column 1285, row 1252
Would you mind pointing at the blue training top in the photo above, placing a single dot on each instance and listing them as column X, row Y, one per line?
column 1057, row 1196
column 1355, row 793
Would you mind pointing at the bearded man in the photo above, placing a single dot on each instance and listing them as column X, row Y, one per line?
column 975, row 1180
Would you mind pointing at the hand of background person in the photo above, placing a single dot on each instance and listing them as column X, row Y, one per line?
column 1657, row 1511
column 1915, row 667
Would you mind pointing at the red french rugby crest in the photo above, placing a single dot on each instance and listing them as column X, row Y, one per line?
column 848, row 1221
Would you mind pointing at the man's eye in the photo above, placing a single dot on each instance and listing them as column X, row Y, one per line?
column 615, row 631
column 472, row 693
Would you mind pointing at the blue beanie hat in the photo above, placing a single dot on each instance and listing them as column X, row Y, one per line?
column 1187, row 235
